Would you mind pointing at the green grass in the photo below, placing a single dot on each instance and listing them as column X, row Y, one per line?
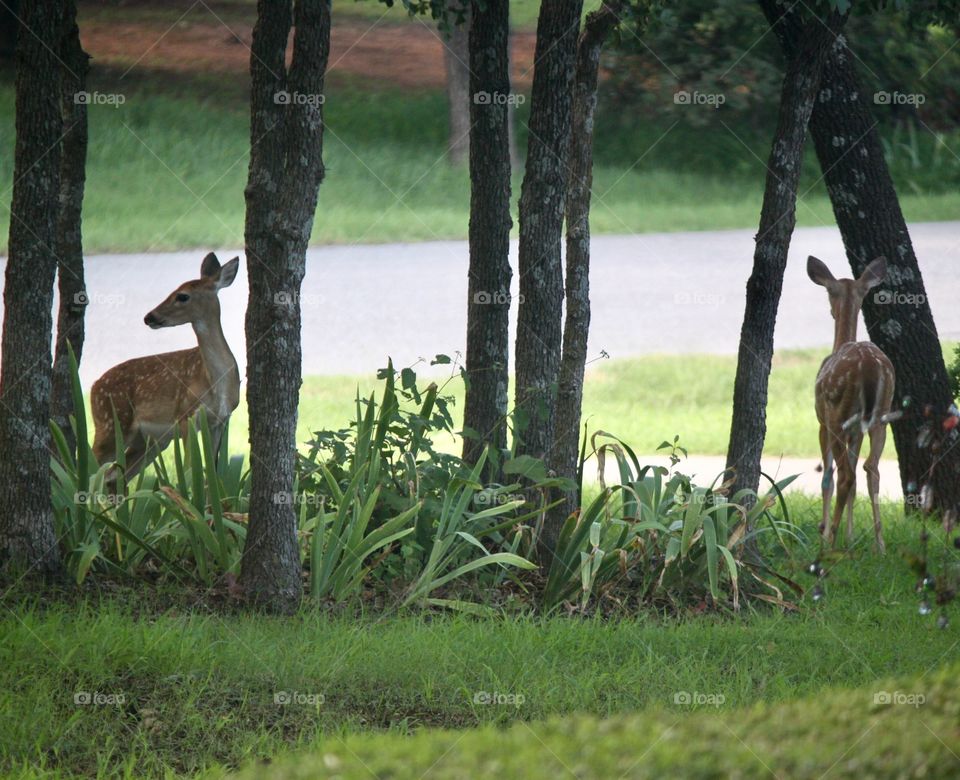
column 642, row 400
column 167, row 170
column 835, row 734
column 199, row 688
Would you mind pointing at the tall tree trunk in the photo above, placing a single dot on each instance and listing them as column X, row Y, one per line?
column 565, row 453
column 777, row 218
column 900, row 322
column 27, row 540
column 488, row 302
column 456, row 60
column 286, row 168
column 515, row 161
column 73, row 165
column 539, row 331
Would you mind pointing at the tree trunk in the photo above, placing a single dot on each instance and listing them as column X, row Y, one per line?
column 515, row 161
column 488, row 301
column 27, row 540
column 539, row 331
column 777, row 218
column 73, row 298
column 286, row 168
column 456, row 60
column 565, row 454
column 898, row 315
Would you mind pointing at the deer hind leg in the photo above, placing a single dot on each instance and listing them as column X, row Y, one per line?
column 853, row 453
column 878, row 437
column 846, row 480
column 826, row 484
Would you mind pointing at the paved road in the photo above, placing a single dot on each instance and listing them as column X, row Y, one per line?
column 666, row 293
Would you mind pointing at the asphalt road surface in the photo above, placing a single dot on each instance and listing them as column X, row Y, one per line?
column 651, row 293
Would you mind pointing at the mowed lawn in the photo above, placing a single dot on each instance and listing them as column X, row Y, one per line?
column 197, row 691
column 643, row 401
column 167, row 169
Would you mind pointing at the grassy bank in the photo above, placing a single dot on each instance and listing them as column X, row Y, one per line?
column 641, row 400
column 200, row 690
column 167, row 169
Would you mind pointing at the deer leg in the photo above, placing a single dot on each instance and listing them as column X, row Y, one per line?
column 826, row 483
column 104, row 448
column 878, row 437
column 135, row 456
column 844, row 481
column 853, row 453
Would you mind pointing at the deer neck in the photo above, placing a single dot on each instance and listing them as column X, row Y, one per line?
column 218, row 360
column 845, row 329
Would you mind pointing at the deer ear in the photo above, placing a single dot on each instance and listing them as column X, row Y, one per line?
column 228, row 272
column 818, row 272
column 210, row 266
column 874, row 273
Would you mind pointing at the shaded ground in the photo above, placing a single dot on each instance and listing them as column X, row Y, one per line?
column 386, row 48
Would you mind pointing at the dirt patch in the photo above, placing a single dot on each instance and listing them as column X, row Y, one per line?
column 408, row 55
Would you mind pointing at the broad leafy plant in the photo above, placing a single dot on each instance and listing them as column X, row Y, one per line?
column 656, row 537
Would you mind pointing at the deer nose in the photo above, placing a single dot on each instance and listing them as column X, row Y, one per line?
column 151, row 320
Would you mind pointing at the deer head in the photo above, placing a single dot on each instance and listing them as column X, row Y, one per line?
column 195, row 301
column 846, row 295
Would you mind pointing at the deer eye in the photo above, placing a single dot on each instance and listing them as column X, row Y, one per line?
column 182, row 298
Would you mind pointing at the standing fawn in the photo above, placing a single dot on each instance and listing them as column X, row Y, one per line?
column 854, row 390
column 155, row 396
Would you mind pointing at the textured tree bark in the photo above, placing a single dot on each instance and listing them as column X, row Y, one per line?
column 565, row 454
column 488, row 302
column 898, row 315
column 777, row 218
column 28, row 544
column 73, row 166
column 539, row 330
column 286, row 169
column 456, row 60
